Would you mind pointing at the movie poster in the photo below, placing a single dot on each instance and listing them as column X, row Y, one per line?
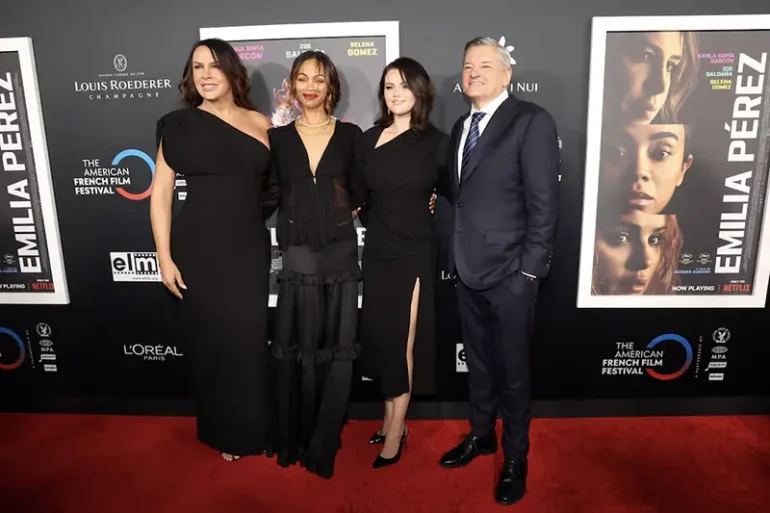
column 677, row 164
column 31, row 267
column 359, row 50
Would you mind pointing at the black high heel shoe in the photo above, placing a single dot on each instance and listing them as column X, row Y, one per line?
column 380, row 462
column 377, row 438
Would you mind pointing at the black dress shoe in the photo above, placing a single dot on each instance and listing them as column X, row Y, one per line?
column 513, row 482
column 377, row 438
column 468, row 449
column 380, row 462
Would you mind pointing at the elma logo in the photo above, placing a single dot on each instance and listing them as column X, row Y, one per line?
column 9, row 349
column 135, row 266
column 461, row 364
column 688, row 356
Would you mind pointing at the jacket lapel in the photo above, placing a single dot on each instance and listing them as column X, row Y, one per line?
column 497, row 124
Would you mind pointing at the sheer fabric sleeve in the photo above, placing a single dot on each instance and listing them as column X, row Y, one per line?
column 358, row 189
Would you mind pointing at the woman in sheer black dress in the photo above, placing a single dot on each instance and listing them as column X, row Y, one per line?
column 398, row 167
column 317, row 315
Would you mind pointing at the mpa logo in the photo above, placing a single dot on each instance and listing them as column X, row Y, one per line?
column 43, row 329
column 721, row 335
column 12, row 351
column 142, row 267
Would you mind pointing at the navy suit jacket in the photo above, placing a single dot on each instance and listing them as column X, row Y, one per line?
column 506, row 208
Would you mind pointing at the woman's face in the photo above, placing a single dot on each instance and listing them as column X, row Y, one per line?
column 642, row 166
column 643, row 68
column 210, row 82
column 311, row 86
column 398, row 97
column 629, row 252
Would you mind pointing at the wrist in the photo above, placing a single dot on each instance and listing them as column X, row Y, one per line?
column 164, row 258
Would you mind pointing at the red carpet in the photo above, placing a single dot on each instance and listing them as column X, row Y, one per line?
column 101, row 464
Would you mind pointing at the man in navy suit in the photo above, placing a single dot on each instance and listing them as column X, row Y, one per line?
column 503, row 184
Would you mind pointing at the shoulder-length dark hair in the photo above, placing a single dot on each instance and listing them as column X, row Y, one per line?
column 418, row 81
column 229, row 63
column 329, row 70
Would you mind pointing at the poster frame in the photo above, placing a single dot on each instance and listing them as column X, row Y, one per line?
column 23, row 47
column 601, row 26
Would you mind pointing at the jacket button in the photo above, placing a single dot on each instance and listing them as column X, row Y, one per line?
column 459, row 205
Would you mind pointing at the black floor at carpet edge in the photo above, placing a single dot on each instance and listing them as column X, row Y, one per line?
column 420, row 410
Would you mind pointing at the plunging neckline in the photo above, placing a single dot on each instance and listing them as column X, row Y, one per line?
column 233, row 127
column 307, row 155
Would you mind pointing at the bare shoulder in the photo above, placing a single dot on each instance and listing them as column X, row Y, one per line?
column 260, row 120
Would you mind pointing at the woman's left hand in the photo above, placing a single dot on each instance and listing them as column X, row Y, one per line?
column 432, row 203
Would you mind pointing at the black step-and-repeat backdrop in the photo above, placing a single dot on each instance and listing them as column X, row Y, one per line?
column 660, row 275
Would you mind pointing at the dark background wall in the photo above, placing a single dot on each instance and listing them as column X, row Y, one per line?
column 77, row 40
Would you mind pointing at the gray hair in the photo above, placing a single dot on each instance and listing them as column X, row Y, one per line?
column 502, row 53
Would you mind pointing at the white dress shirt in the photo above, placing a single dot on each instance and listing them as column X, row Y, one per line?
column 489, row 109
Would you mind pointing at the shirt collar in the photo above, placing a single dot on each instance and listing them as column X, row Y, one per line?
column 492, row 106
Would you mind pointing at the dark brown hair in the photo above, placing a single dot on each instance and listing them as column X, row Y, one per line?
column 664, row 276
column 683, row 82
column 329, row 70
column 419, row 83
column 229, row 63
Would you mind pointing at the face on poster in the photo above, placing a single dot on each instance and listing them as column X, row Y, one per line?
column 677, row 164
column 31, row 266
column 359, row 51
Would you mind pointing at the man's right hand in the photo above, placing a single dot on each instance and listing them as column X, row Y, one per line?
column 171, row 277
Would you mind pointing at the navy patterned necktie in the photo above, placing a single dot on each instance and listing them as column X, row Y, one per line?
column 471, row 141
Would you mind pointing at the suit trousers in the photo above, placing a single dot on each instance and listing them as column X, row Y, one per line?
column 497, row 327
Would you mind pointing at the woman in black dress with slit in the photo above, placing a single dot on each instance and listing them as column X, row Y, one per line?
column 398, row 166
column 317, row 315
column 219, row 143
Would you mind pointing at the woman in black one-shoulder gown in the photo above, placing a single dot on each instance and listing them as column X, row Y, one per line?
column 216, row 257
